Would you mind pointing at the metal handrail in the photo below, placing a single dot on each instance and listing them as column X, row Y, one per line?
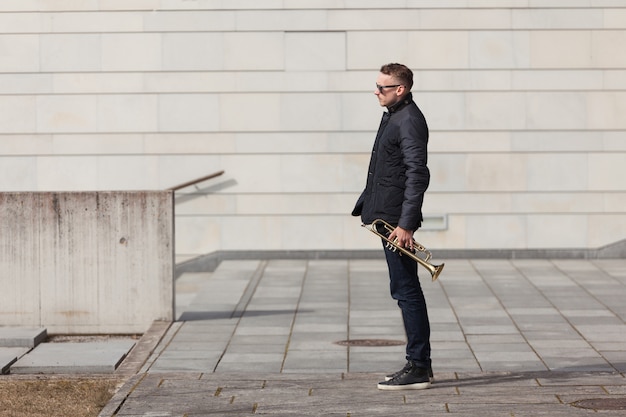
column 192, row 182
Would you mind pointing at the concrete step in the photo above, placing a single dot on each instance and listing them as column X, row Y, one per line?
column 9, row 355
column 22, row 336
column 99, row 357
column 15, row 342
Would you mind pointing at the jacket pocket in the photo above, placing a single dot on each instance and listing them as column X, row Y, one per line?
column 390, row 196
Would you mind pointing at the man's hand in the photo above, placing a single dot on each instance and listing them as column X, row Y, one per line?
column 402, row 238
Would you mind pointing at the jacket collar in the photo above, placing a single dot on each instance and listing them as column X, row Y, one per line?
column 408, row 98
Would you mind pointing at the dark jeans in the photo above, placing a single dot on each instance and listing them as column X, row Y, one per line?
column 406, row 289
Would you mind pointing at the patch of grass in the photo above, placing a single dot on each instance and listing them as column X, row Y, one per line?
column 55, row 397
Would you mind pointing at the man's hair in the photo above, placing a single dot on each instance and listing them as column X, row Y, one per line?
column 400, row 72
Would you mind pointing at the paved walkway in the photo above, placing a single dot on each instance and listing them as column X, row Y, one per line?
column 509, row 338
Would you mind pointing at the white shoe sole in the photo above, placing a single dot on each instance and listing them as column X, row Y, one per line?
column 420, row 385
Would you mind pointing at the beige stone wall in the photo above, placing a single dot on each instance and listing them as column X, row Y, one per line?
column 525, row 101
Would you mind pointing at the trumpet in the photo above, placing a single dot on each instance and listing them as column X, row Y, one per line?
column 434, row 270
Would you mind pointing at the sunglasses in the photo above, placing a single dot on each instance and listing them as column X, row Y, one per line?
column 381, row 87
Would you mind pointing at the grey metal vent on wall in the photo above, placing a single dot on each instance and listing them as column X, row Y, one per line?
column 435, row 222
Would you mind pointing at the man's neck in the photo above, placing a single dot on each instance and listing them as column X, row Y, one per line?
column 402, row 101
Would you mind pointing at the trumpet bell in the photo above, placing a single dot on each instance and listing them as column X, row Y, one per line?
column 434, row 273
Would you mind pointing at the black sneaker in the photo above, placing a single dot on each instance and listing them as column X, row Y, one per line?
column 412, row 378
column 405, row 369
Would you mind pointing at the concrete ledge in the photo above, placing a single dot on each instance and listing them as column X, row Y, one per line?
column 22, row 336
column 73, row 358
column 211, row 261
column 10, row 355
column 143, row 349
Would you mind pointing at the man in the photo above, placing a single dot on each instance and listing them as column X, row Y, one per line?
column 396, row 181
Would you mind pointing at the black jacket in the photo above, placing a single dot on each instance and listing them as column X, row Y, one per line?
column 397, row 176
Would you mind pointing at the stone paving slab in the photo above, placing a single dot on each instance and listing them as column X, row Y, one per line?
column 472, row 394
column 21, row 336
column 74, row 357
column 531, row 337
column 500, row 315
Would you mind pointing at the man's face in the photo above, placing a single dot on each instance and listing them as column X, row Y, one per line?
column 390, row 95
